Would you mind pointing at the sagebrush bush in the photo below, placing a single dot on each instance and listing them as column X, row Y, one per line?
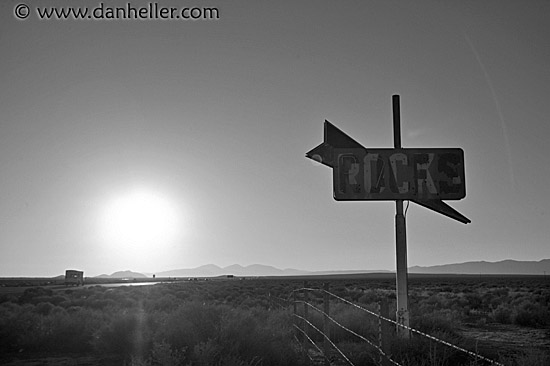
column 253, row 338
column 124, row 335
column 354, row 319
column 531, row 315
column 502, row 314
column 441, row 322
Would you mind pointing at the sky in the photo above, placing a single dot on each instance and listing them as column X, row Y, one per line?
column 153, row 145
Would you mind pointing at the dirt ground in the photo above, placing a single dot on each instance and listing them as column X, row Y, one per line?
column 507, row 339
column 77, row 360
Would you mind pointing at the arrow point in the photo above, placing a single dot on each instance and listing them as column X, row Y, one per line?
column 333, row 138
column 321, row 154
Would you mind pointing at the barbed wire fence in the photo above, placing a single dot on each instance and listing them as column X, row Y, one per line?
column 323, row 343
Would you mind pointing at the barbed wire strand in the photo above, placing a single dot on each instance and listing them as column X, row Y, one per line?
column 280, row 299
column 281, row 306
column 326, row 337
column 300, row 343
column 308, row 338
column 352, row 332
column 406, row 327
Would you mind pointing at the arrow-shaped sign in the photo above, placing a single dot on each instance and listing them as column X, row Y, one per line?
column 424, row 176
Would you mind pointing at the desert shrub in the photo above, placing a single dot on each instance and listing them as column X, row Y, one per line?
column 44, row 328
column 339, row 290
column 474, row 300
column 501, row 292
column 354, row 295
column 421, row 351
column 8, row 308
column 530, row 357
column 4, row 298
column 190, row 324
column 249, row 302
column 162, row 354
column 207, row 353
column 57, row 299
column 442, row 322
column 369, row 297
column 35, row 295
column 101, row 304
column 502, row 314
column 182, row 295
column 354, row 319
column 125, row 334
column 531, row 315
column 24, row 328
column 250, row 338
column 9, row 326
column 114, row 295
column 127, row 303
column 238, row 333
column 64, row 332
column 166, row 303
column 222, row 335
column 43, row 308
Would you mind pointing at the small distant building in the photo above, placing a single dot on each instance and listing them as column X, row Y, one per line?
column 73, row 277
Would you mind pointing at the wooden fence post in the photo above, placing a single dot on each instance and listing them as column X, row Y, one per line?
column 384, row 330
column 326, row 324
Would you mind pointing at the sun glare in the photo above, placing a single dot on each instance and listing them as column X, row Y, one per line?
column 141, row 221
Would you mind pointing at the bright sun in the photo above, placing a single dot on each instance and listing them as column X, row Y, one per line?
column 141, row 219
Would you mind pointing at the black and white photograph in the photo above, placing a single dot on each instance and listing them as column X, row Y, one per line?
column 262, row 183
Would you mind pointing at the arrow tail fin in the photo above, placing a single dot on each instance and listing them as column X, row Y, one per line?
column 444, row 209
column 337, row 138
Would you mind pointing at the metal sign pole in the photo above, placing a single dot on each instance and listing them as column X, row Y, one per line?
column 400, row 239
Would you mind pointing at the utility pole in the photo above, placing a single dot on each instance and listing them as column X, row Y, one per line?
column 402, row 315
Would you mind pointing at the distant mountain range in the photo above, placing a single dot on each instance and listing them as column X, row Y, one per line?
column 503, row 267
column 123, row 274
column 211, row 270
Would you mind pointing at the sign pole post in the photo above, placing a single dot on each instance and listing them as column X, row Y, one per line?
column 402, row 315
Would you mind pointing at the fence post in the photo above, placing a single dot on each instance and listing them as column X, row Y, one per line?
column 326, row 324
column 294, row 302
column 306, row 300
column 384, row 330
